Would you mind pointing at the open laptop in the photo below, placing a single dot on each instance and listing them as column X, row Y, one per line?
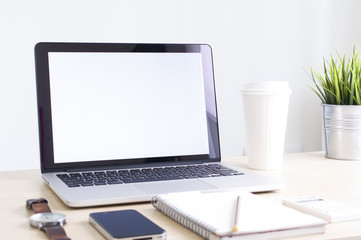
column 120, row 123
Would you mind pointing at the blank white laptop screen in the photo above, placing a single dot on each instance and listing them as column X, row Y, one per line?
column 124, row 105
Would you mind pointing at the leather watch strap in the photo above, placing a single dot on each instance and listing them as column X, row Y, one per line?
column 38, row 205
column 56, row 233
column 41, row 207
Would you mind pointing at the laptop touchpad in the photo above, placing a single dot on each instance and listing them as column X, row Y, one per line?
column 174, row 186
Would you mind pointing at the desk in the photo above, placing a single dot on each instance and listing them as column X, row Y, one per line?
column 303, row 173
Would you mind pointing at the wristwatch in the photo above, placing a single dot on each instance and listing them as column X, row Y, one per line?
column 45, row 220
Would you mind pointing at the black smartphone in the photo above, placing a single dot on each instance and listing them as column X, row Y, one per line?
column 126, row 225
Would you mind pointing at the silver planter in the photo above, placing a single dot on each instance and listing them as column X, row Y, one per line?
column 342, row 125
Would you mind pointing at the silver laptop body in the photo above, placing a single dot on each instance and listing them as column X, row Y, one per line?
column 110, row 109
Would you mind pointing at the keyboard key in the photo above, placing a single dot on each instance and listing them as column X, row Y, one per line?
column 191, row 176
column 73, row 185
column 86, row 184
column 114, row 182
column 100, row 183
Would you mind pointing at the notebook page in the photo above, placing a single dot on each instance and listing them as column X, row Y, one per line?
column 256, row 214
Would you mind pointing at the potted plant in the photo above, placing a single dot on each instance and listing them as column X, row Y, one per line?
column 339, row 88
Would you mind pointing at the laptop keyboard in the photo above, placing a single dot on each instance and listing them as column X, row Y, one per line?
column 97, row 178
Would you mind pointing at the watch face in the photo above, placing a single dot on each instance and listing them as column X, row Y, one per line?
column 40, row 220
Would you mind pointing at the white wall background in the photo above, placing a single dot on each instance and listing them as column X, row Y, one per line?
column 252, row 40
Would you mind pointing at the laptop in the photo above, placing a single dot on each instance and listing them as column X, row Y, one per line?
column 121, row 123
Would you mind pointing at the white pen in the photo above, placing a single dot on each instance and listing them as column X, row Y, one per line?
column 236, row 215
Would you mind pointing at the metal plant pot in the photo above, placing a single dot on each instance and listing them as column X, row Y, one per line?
column 342, row 125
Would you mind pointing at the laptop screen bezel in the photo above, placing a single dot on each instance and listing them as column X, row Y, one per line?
column 42, row 51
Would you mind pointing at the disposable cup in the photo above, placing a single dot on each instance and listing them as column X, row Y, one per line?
column 265, row 107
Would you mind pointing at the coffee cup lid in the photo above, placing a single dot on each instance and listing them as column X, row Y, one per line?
column 265, row 87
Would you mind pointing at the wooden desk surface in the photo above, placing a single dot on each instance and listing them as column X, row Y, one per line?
column 303, row 174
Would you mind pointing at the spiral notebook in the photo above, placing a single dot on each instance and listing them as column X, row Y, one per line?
column 211, row 215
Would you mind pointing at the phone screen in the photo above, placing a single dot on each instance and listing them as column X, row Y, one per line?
column 126, row 224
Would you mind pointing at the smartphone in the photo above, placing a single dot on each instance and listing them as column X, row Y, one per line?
column 126, row 225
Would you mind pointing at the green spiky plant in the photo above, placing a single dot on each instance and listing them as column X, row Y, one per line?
column 340, row 81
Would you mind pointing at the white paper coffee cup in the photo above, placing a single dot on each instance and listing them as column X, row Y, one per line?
column 265, row 113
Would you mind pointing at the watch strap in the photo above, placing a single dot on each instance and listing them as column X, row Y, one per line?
column 56, row 233
column 39, row 205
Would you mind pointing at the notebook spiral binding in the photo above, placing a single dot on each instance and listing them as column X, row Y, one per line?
column 182, row 218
